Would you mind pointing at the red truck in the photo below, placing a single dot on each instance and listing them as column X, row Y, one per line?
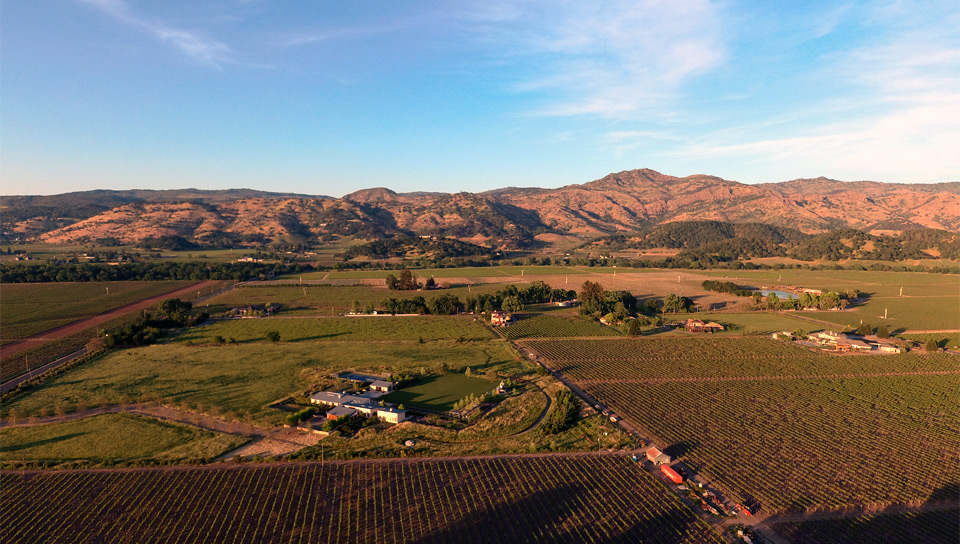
column 672, row 474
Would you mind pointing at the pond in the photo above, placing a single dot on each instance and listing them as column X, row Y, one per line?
column 781, row 294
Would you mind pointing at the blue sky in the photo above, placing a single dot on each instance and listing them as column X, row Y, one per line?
column 330, row 97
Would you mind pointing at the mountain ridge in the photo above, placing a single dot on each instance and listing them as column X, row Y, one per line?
column 509, row 217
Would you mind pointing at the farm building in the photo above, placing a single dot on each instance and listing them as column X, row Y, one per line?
column 566, row 303
column 341, row 411
column 381, row 385
column 392, row 415
column 656, row 456
column 849, row 344
column 333, row 398
column 889, row 348
column 498, row 318
column 697, row 325
column 827, row 337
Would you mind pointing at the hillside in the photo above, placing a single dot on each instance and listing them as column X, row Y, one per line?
column 623, row 202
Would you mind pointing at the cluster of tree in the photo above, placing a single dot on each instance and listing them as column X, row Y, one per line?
column 144, row 271
column 440, row 305
column 565, row 411
column 148, row 328
column 865, row 329
column 331, row 424
column 301, row 415
column 676, row 304
column 403, row 246
column 406, row 282
column 470, row 401
column 828, row 301
column 597, row 302
column 512, row 298
column 726, row 287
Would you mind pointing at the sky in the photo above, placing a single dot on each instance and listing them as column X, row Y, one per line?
column 328, row 97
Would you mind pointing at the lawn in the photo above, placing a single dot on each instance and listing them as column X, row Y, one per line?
column 427, row 328
column 113, row 436
column 440, row 392
column 247, row 378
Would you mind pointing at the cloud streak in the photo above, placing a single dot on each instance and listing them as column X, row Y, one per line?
column 618, row 60
column 192, row 44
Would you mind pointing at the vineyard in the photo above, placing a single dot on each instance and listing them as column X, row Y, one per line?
column 713, row 357
column 937, row 527
column 505, row 499
column 426, row 328
column 749, row 415
column 30, row 308
column 544, row 326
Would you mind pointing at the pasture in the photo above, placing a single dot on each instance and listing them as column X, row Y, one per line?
column 548, row 326
column 245, row 379
column 113, row 437
column 374, row 328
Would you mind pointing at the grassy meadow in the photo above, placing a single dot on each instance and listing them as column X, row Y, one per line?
column 246, row 379
column 113, row 437
column 440, row 392
column 375, row 328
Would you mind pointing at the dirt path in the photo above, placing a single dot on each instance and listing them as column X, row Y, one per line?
column 56, row 333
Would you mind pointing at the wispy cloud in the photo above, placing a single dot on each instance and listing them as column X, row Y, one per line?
column 193, row 44
column 617, row 59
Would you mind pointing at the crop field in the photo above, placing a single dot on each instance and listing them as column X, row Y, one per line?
column 113, row 437
column 328, row 300
column 427, row 328
column 507, row 499
column 940, row 312
column 770, row 421
column 246, row 378
column 31, row 308
column 544, row 326
column 936, row 527
column 716, row 357
column 440, row 392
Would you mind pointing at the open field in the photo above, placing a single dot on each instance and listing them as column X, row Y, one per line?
column 940, row 312
column 30, row 308
column 357, row 328
column 544, row 326
column 788, row 427
column 247, row 378
column 936, row 527
column 118, row 437
column 511, row 499
column 440, row 392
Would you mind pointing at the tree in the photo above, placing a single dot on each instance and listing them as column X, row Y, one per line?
column 933, row 345
column 865, row 329
column 392, row 282
column 883, row 332
column 512, row 304
column 356, row 306
column 431, row 283
column 675, row 303
column 273, row 336
column 174, row 309
column 633, row 327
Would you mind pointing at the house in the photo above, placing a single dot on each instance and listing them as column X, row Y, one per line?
column 697, row 325
column 564, row 303
column 827, row 337
column 333, row 398
column 889, row 348
column 341, row 411
column 848, row 344
column 392, row 415
column 785, row 335
column 381, row 385
column 656, row 456
column 499, row 319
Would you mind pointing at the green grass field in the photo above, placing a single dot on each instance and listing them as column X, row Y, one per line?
column 330, row 300
column 910, row 313
column 440, row 392
column 874, row 283
column 31, row 308
column 247, row 378
column 114, row 437
column 375, row 328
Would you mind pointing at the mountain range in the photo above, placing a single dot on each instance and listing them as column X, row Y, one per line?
column 510, row 217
